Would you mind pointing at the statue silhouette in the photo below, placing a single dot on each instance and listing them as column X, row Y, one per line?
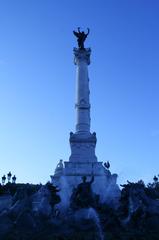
column 81, row 37
column 83, row 196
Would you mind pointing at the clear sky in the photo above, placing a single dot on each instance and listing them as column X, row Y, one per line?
column 37, row 84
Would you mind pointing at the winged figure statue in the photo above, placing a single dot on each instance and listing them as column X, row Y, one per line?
column 81, row 37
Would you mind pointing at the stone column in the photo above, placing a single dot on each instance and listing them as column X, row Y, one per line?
column 82, row 142
column 82, row 60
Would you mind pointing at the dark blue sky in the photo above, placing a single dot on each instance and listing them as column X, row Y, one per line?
column 37, row 84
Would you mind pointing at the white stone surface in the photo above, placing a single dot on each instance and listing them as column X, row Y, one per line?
column 83, row 147
column 82, row 142
column 82, row 59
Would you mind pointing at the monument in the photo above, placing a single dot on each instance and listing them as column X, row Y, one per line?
column 83, row 161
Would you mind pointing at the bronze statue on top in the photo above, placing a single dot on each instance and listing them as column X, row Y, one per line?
column 81, row 37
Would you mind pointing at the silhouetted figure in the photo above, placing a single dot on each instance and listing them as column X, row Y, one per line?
column 14, row 179
column 55, row 198
column 83, row 196
column 59, row 168
column 81, row 37
column 107, row 165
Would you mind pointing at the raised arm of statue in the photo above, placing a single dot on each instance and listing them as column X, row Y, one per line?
column 92, row 180
column 88, row 31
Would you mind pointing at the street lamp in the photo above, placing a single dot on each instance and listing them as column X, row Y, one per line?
column 3, row 179
column 9, row 176
column 14, row 179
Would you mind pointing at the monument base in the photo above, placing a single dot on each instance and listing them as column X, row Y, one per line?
column 70, row 175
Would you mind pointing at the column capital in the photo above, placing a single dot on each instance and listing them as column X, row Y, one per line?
column 82, row 55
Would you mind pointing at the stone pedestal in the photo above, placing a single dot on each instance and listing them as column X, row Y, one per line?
column 83, row 148
column 71, row 175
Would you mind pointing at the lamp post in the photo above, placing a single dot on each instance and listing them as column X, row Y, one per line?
column 3, row 179
column 14, row 179
column 9, row 176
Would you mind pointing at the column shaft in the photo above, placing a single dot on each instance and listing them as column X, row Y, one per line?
column 82, row 91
